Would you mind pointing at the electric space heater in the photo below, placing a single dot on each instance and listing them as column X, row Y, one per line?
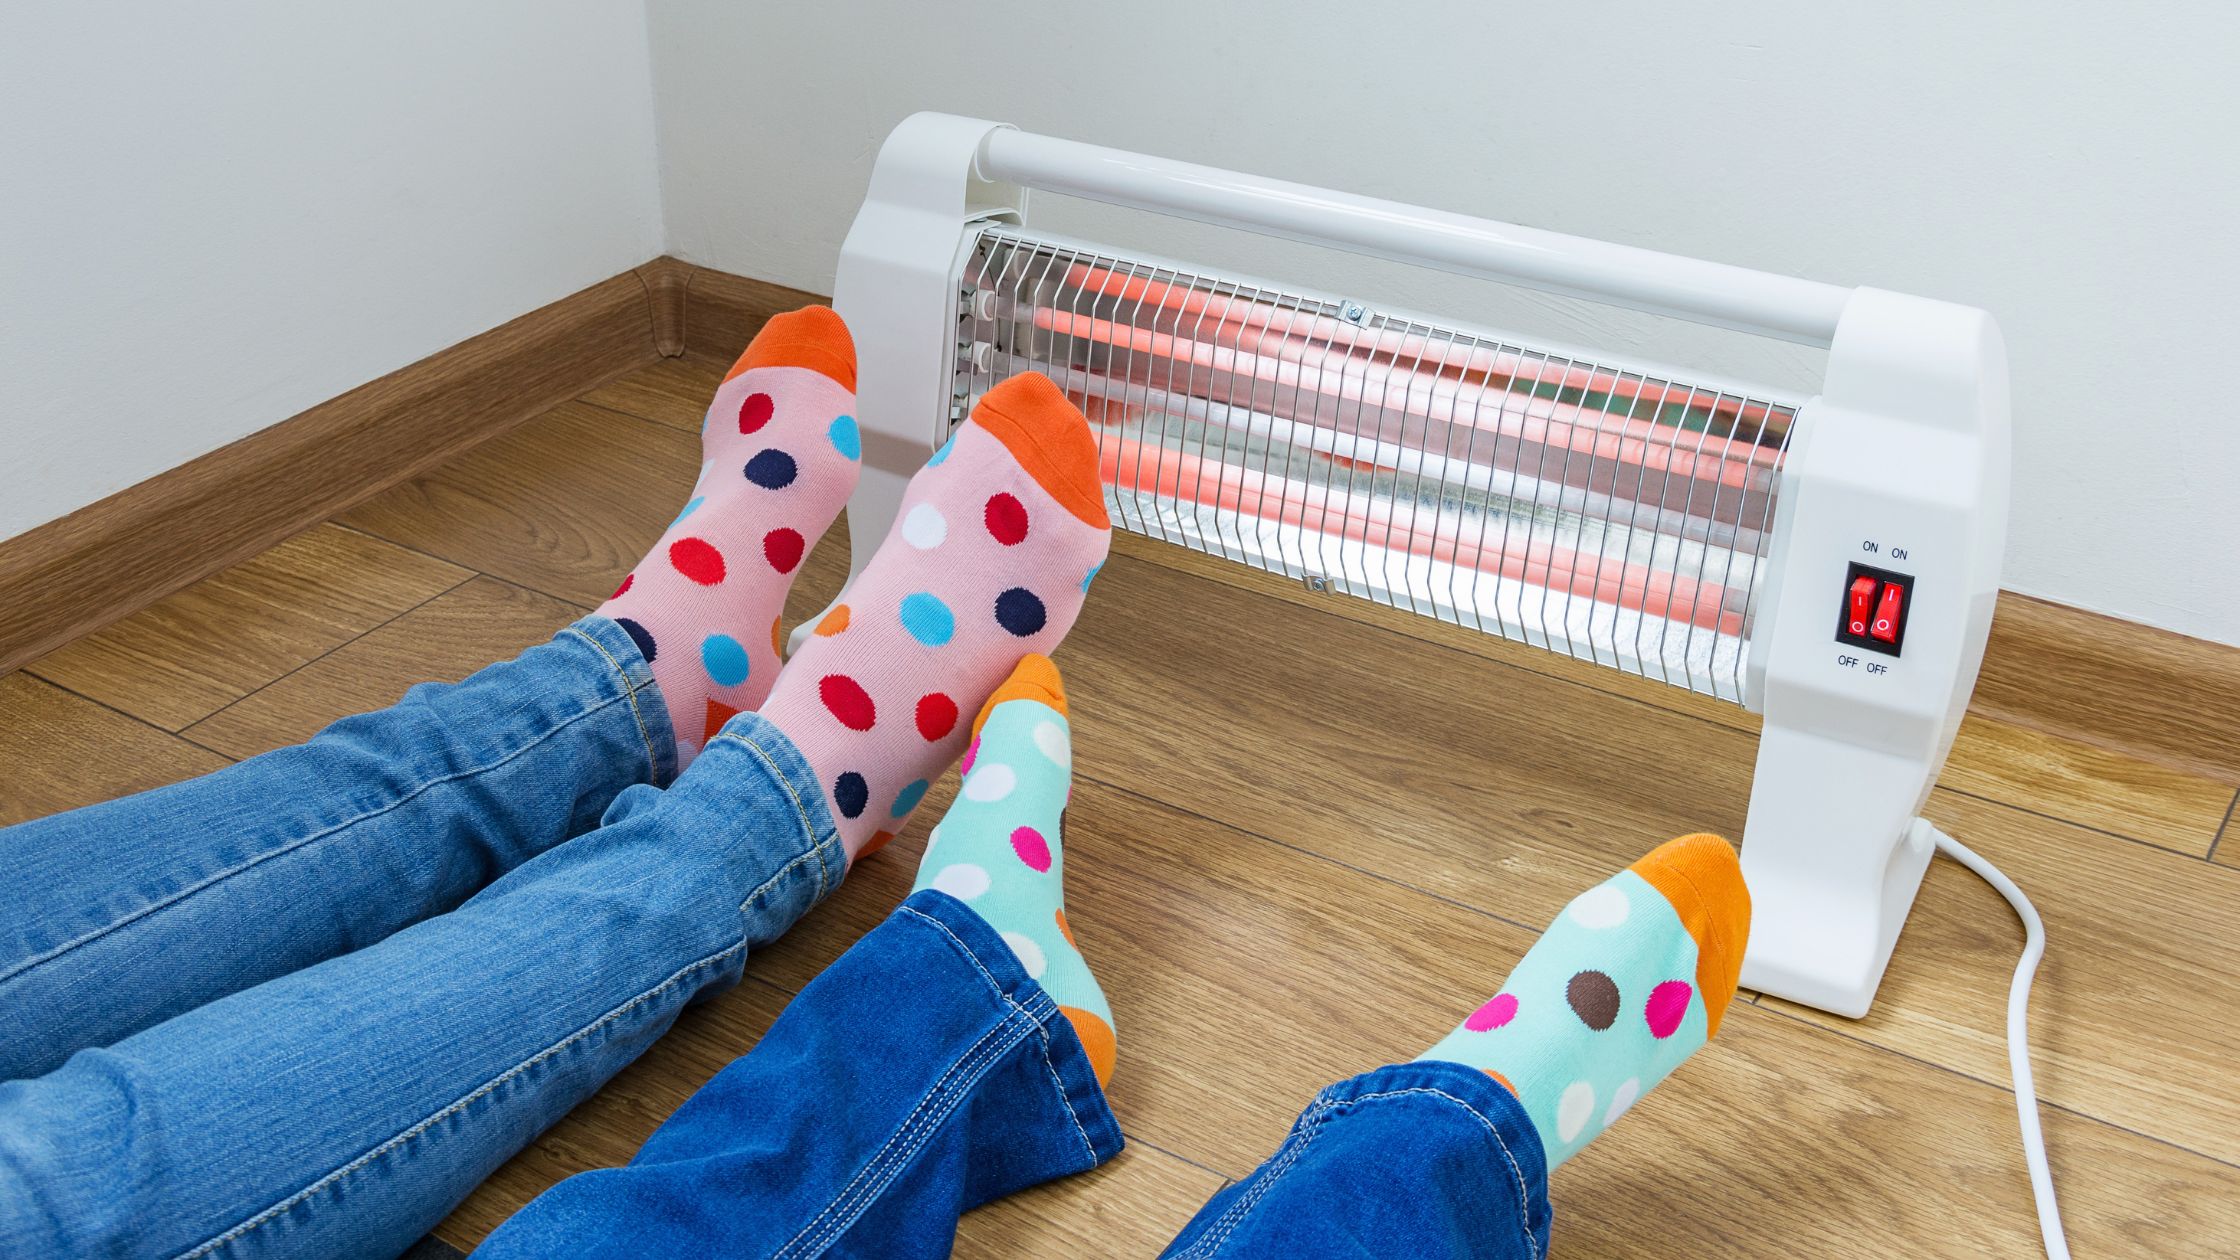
column 1828, row 562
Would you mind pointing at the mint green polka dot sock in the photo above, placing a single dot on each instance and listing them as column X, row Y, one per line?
column 998, row 849
column 1629, row 980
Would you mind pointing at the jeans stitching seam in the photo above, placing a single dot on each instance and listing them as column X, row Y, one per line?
column 963, row 948
column 630, row 692
column 1310, row 1127
column 837, row 1215
column 274, row 1212
column 864, row 1192
column 1088, row 1147
column 817, row 848
column 32, row 964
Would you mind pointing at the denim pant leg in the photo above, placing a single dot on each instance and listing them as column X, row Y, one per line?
column 343, row 1109
column 921, row 1075
column 1426, row 1160
column 123, row 914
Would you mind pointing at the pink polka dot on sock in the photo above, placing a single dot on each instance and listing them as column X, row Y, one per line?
column 1031, row 848
column 973, row 750
column 1668, row 1002
column 1498, row 1010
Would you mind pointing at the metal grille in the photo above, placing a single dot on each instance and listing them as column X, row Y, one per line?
column 1611, row 516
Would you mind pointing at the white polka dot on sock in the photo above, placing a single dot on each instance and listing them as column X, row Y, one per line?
column 933, row 837
column 1030, row 954
column 964, row 881
column 925, row 528
column 1621, row 1100
column 1051, row 739
column 1573, row 1109
column 1602, row 906
column 990, row 782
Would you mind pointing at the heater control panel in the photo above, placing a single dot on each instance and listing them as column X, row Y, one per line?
column 1874, row 609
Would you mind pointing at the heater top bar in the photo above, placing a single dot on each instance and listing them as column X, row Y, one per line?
column 1760, row 302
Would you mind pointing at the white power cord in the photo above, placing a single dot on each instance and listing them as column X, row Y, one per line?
column 2018, row 1032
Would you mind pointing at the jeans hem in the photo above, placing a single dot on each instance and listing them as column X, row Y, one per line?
column 647, row 705
column 1507, row 1128
column 1063, row 1055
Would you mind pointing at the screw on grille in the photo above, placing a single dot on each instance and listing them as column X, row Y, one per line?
column 1316, row 582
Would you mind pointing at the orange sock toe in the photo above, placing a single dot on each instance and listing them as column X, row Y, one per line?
column 812, row 337
column 1702, row 878
column 1034, row 678
column 1049, row 437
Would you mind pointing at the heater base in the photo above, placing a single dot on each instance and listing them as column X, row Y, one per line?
column 1827, row 947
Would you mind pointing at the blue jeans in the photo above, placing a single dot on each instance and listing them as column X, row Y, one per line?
column 924, row 1074
column 302, row 1006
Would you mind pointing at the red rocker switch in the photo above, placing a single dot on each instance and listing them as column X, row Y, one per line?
column 1861, row 610
column 1874, row 609
column 1887, row 611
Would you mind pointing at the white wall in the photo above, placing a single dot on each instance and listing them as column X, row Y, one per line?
column 215, row 216
column 2071, row 167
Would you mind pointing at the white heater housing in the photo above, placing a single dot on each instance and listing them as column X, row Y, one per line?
column 1829, row 562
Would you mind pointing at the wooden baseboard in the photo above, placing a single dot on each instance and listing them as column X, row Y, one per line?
column 72, row 576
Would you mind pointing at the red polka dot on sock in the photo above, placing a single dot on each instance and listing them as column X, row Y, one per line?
column 755, row 412
column 627, row 579
column 1007, row 520
column 937, row 715
column 697, row 559
column 848, row 701
column 1031, row 848
column 783, row 548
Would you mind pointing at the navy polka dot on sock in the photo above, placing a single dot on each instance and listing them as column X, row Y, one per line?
column 638, row 636
column 1020, row 612
column 772, row 470
column 851, row 794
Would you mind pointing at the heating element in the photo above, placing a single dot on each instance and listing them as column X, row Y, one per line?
column 1829, row 562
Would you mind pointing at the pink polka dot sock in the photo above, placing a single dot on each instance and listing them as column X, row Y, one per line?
column 999, row 850
column 1629, row 980
column 989, row 560
column 780, row 454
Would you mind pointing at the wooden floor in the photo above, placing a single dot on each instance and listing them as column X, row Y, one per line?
column 1309, row 835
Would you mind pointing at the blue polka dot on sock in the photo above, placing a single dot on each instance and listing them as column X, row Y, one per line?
column 725, row 660
column 845, row 438
column 928, row 620
column 772, row 469
column 943, row 453
column 1020, row 611
column 1092, row 576
column 638, row 636
column 907, row 799
column 689, row 509
column 850, row 793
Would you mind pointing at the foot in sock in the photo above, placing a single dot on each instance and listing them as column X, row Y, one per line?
column 1630, row 979
column 999, row 850
column 989, row 560
column 780, row 454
